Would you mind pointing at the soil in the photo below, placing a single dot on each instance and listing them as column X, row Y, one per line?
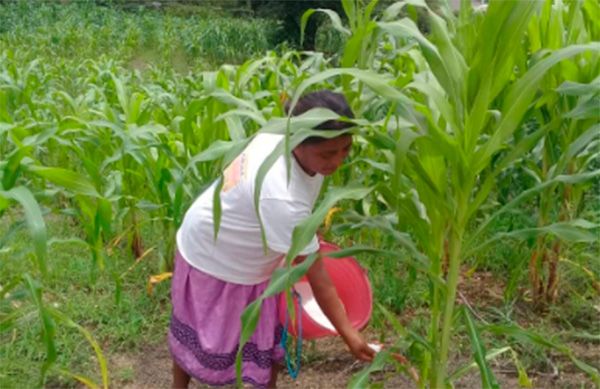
column 328, row 364
column 332, row 367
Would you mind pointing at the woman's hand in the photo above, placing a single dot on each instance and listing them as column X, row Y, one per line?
column 332, row 307
column 359, row 347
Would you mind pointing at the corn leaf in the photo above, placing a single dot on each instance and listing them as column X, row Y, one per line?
column 35, row 222
column 488, row 380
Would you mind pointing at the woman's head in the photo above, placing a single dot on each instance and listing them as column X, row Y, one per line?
column 317, row 154
column 324, row 99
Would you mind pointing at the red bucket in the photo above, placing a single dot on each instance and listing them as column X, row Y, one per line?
column 353, row 288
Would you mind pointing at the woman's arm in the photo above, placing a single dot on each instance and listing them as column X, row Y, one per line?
column 332, row 307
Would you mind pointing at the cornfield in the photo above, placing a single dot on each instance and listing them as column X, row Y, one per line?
column 491, row 112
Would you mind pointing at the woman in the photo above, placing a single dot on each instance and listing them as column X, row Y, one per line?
column 215, row 280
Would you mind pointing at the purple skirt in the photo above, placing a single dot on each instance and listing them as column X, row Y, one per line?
column 205, row 328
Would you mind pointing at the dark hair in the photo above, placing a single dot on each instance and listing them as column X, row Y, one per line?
column 323, row 99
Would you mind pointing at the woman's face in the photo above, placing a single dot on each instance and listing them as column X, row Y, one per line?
column 323, row 157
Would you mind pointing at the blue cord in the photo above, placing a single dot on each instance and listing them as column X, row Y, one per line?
column 293, row 372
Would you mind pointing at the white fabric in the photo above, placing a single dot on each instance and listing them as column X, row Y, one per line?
column 238, row 255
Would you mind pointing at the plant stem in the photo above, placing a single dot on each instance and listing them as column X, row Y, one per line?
column 434, row 331
column 455, row 245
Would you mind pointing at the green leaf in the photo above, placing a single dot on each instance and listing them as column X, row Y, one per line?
column 582, row 141
column 570, row 88
column 526, row 336
column 519, row 98
column 121, row 93
column 284, row 278
column 585, row 109
column 235, row 127
column 575, row 147
column 281, row 279
column 488, row 380
column 229, row 99
column 381, row 223
column 517, row 151
column 361, row 379
column 392, row 12
column 418, row 265
column 307, row 120
column 250, row 114
column 57, row 241
column 218, row 149
column 393, row 320
column 524, row 381
column 336, row 21
column 569, row 231
column 378, row 83
column 443, row 67
column 34, row 219
column 87, row 381
column 493, row 353
column 134, row 108
column 217, row 207
column 252, row 68
column 104, row 215
column 13, row 166
column 591, row 371
column 565, row 179
column 426, row 84
column 88, row 336
column 305, row 230
column 453, row 59
column 349, row 7
column 48, row 326
column 68, row 179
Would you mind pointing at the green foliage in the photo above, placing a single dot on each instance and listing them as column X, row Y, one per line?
column 145, row 37
column 471, row 90
column 84, row 316
column 488, row 115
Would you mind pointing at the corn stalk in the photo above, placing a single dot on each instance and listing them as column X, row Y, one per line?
column 569, row 109
column 446, row 147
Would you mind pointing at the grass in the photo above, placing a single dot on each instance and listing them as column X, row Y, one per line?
column 138, row 319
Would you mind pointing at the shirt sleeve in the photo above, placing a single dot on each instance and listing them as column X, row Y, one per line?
column 279, row 218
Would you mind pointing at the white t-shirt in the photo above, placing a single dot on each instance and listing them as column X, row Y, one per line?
column 238, row 255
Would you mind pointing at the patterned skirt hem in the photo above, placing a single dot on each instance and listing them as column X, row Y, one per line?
column 222, row 361
column 248, row 380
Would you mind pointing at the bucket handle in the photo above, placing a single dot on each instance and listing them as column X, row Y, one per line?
column 293, row 372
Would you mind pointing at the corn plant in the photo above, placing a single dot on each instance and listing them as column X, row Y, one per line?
column 464, row 149
column 93, row 135
column 569, row 111
column 444, row 148
column 14, row 188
